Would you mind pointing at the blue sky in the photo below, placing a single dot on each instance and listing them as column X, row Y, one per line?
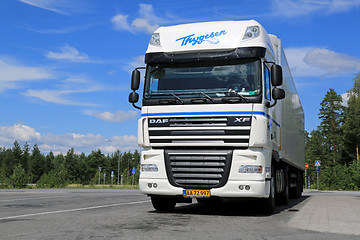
column 65, row 65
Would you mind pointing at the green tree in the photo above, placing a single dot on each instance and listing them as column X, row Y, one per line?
column 331, row 116
column 351, row 124
column 17, row 153
column 71, row 165
column 25, row 158
column 19, row 178
column 49, row 162
column 36, row 164
column 83, row 168
column 56, row 178
column 315, row 150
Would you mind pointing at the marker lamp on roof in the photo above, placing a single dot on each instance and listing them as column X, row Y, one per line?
column 251, row 33
column 155, row 39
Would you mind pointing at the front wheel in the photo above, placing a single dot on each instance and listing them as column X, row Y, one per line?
column 269, row 203
column 163, row 204
column 283, row 198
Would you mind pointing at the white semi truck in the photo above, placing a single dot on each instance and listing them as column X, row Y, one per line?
column 215, row 122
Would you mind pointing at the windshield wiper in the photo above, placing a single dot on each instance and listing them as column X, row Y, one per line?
column 208, row 97
column 238, row 94
column 177, row 98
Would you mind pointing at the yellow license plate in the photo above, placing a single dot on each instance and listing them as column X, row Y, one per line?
column 196, row 193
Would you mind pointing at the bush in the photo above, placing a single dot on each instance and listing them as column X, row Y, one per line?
column 18, row 179
column 57, row 178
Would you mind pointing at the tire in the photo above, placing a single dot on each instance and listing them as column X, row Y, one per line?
column 296, row 192
column 163, row 204
column 269, row 203
column 283, row 198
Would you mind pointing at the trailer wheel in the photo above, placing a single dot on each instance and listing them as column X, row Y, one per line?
column 163, row 204
column 296, row 192
column 269, row 203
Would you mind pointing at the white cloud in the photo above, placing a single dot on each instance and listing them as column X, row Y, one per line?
column 147, row 22
column 299, row 8
column 345, row 98
column 68, row 53
column 135, row 62
column 13, row 73
column 60, row 6
column 18, row 132
column 62, row 94
column 118, row 116
column 120, row 22
column 61, row 143
column 56, row 96
column 332, row 62
column 144, row 25
column 320, row 62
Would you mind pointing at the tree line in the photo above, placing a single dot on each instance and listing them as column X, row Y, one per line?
column 20, row 166
column 335, row 142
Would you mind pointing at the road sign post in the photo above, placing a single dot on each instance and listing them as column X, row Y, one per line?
column 317, row 177
column 133, row 173
column 317, row 165
column 306, row 167
column 112, row 177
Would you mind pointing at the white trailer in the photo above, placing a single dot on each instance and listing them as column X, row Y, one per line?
column 215, row 122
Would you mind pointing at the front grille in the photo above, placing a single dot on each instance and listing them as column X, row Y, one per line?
column 198, row 169
column 231, row 131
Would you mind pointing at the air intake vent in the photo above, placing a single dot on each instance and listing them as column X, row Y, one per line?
column 198, row 169
column 200, row 131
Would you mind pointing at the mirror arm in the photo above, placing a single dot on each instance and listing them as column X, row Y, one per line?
column 268, row 105
column 140, row 68
column 136, row 106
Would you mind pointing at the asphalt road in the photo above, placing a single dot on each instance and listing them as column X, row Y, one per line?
column 127, row 214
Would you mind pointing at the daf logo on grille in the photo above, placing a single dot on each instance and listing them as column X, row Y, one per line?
column 158, row 121
column 241, row 119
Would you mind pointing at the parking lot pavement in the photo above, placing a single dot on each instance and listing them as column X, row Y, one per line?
column 336, row 214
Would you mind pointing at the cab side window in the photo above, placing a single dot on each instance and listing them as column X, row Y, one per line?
column 267, row 86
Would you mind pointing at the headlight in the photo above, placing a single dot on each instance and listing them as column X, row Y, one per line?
column 250, row 169
column 251, row 32
column 149, row 168
column 155, row 39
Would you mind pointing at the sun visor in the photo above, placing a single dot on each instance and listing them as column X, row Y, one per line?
column 245, row 52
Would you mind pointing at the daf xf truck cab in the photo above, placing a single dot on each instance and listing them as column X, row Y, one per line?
column 215, row 122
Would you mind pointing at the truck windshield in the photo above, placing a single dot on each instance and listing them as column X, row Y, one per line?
column 191, row 80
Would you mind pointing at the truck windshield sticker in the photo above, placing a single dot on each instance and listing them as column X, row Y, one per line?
column 210, row 38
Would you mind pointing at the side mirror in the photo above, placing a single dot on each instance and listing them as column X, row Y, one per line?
column 133, row 97
column 135, row 80
column 278, row 93
column 276, row 75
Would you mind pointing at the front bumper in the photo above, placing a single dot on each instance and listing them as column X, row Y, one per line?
column 258, row 189
column 258, row 186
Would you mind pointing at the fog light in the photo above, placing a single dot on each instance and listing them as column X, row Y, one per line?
column 155, row 185
column 247, row 187
column 149, row 168
column 250, row 169
column 241, row 187
column 149, row 185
